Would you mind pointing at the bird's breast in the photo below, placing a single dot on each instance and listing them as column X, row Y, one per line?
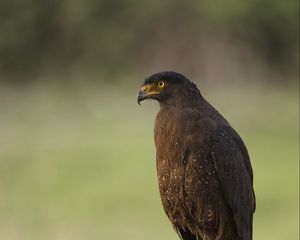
column 187, row 177
column 188, row 189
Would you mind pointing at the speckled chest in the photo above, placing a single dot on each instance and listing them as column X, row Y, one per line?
column 186, row 173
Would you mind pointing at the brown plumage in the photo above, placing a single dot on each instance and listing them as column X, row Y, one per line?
column 204, row 171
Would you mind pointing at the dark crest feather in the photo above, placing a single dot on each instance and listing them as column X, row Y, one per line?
column 169, row 76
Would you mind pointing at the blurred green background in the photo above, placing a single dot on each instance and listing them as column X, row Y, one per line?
column 77, row 158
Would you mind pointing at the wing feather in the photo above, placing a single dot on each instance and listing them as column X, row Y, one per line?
column 234, row 171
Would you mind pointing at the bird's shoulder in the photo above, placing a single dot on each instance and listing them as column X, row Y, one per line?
column 203, row 119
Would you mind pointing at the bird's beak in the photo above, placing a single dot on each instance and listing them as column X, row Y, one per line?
column 146, row 91
column 142, row 94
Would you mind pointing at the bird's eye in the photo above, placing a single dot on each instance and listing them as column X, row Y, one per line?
column 161, row 84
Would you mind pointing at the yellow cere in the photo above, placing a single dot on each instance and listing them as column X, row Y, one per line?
column 149, row 88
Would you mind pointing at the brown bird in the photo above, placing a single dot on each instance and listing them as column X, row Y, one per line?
column 204, row 171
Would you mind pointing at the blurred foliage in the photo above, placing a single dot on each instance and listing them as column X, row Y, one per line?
column 112, row 38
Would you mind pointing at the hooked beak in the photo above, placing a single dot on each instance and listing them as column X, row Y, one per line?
column 142, row 95
column 146, row 92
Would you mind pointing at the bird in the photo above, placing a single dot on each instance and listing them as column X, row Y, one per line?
column 205, row 176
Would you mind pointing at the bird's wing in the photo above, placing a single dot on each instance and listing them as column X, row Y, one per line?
column 234, row 171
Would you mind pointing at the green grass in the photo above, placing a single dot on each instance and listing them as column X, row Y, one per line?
column 80, row 163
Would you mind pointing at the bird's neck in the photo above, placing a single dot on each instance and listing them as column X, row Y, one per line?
column 182, row 101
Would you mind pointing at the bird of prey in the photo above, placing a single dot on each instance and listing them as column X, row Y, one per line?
column 204, row 171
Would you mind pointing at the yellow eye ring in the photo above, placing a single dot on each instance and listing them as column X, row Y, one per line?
column 161, row 84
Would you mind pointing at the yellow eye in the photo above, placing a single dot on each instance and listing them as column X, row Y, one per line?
column 161, row 84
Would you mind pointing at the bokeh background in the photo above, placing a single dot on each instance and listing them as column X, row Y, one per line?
column 77, row 158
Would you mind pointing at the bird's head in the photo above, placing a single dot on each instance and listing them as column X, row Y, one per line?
column 166, row 87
